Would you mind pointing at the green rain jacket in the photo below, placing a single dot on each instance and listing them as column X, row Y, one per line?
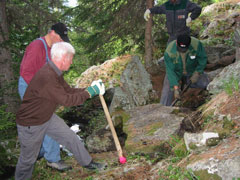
column 196, row 60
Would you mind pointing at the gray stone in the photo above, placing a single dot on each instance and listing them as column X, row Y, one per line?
column 215, row 53
column 150, row 123
column 101, row 141
column 135, row 87
column 229, row 72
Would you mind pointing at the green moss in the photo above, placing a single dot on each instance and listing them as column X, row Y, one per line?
column 192, row 146
column 212, row 141
column 123, row 114
column 204, row 175
column 207, row 118
column 228, row 124
column 176, row 111
column 153, row 128
column 224, row 133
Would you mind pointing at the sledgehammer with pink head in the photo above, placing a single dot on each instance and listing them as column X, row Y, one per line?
column 122, row 159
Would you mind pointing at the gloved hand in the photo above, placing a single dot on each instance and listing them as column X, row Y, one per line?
column 188, row 20
column 95, row 82
column 176, row 94
column 194, row 77
column 147, row 14
column 98, row 86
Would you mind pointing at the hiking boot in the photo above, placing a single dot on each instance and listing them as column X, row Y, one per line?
column 60, row 165
column 95, row 166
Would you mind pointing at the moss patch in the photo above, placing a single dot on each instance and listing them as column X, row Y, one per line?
column 204, row 175
column 153, row 128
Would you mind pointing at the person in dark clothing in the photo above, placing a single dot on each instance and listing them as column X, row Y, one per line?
column 177, row 16
column 36, row 118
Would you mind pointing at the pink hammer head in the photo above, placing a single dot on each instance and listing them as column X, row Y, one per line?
column 122, row 160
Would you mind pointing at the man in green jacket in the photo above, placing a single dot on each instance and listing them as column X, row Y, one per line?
column 185, row 58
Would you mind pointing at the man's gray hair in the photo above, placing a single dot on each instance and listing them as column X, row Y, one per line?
column 61, row 48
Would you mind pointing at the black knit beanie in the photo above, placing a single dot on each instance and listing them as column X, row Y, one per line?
column 183, row 42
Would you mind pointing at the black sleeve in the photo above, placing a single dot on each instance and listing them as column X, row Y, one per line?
column 158, row 9
column 194, row 9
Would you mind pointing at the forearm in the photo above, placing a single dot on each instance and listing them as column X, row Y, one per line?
column 195, row 10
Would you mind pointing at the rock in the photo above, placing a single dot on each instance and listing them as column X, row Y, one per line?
column 109, row 72
column 198, row 139
column 216, row 53
column 135, row 87
column 222, row 161
column 212, row 141
column 237, row 41
column 100, row 141
column 149, row 125
column 213, row 74
column 227, row 75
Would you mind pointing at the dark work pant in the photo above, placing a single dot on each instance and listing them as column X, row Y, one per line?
column 167, row 93
column 50, row 149
column 31, row 139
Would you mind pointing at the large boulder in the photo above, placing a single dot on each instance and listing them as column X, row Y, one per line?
column 150, row 125
column 215, row 54
column 135, row 87
column 237, row 41
column 226, row 76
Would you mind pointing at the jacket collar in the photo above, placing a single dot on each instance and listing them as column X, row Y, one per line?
column 177, row 2
column 55, row 68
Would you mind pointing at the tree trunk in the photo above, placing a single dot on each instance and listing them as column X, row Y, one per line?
column 8, row 91
column 148, row 40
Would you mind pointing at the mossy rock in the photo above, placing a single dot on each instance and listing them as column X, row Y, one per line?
column 228, row 124
column 224, row 133
column 153, row 128
column 204, row 175
column 212, row 141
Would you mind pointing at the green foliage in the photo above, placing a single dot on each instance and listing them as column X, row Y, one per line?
column 7, row 139
column 135, row 156
column 176, row 173
column 231, row 86
column 25, row 27
column 75, row 70
column 207, row 119
column 236, row 178
column 178, row 148
column 89, row 178
column 7, row 120
column 109, row 28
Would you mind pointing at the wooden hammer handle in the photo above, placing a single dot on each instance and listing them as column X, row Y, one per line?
column 114, row 134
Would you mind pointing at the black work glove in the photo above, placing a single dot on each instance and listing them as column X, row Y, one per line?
column 194, row 77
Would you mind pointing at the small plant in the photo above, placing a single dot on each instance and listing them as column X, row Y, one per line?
column 89, row 178
column 231, row 86
column 207, row 119
column 7, row 118
column 176, row 173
